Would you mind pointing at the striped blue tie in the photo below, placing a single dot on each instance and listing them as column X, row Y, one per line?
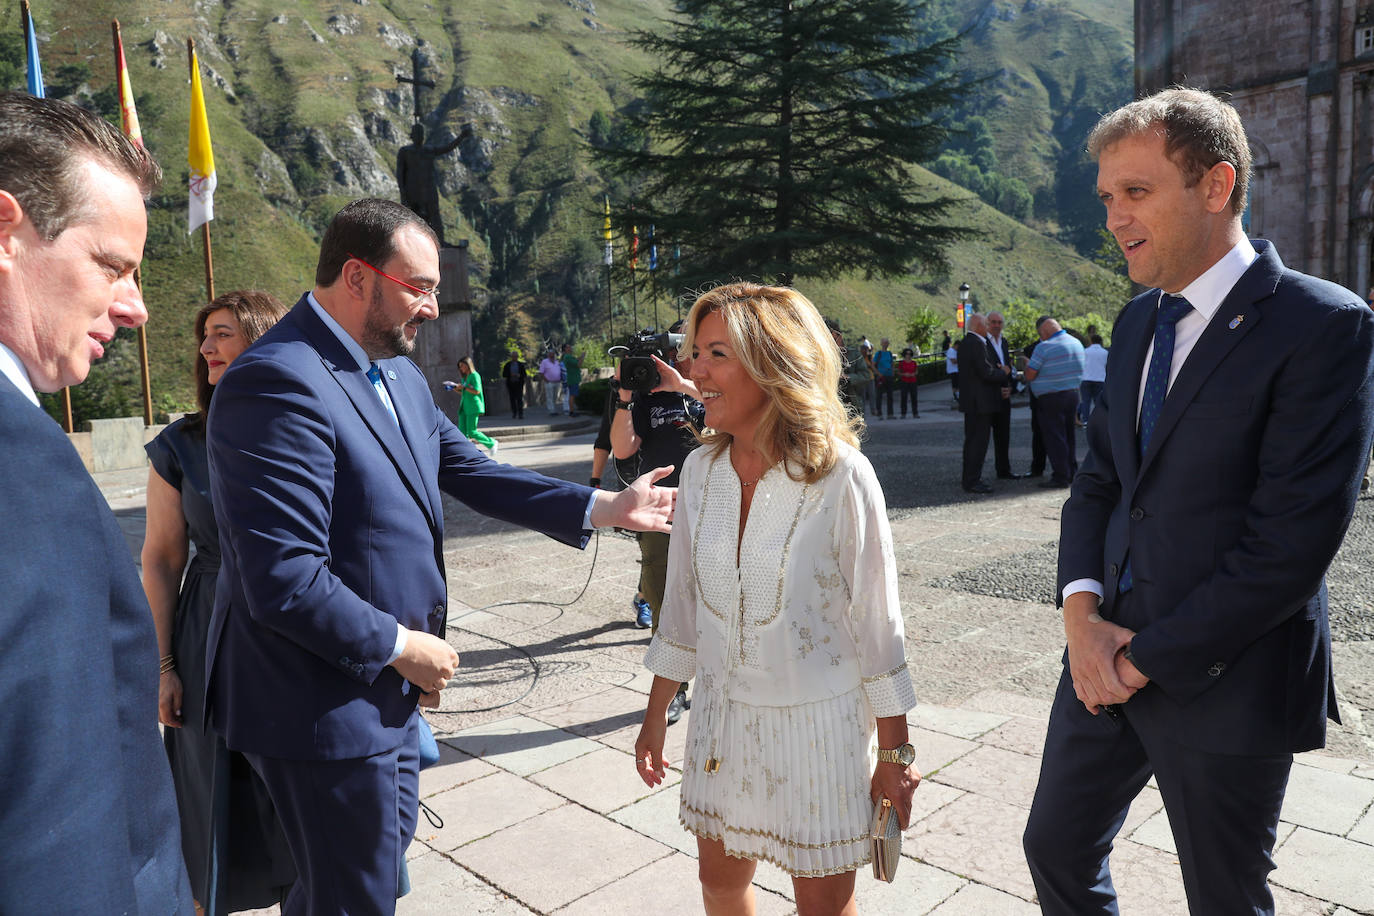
column 1171, row 309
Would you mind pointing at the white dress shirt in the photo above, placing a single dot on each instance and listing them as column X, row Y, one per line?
column 1205, row 295
column 14, row 370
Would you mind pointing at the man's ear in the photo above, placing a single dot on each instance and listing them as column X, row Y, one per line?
column 12, row 220
column 1220, row 183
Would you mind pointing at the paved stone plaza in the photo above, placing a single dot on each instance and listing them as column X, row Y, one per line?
column 543, row 812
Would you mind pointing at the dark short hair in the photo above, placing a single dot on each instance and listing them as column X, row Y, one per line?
column 1041, row 320
column 1199, row 131
column 1096, row 338
column 365, row 229
column 45, row 145
column 254, row 310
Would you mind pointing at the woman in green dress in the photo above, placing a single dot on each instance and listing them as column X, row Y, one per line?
column 472, row 406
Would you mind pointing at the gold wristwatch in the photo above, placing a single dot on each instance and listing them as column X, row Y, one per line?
column 905, row 755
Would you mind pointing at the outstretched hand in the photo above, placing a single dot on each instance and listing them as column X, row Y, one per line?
column 641, row 506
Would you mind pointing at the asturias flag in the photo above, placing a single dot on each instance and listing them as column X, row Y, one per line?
column 127, row 112
column 202, row 158
column 35, row 72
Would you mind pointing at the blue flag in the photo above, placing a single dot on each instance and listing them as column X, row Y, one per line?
column 35, row 72
column 653, row 249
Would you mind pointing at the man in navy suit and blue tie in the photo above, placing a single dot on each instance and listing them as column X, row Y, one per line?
column 88, row 820
column 327, row 458
column 1224, row 460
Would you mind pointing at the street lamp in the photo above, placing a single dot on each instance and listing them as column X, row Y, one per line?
column 962, row 308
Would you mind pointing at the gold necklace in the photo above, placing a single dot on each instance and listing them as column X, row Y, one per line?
column 756, row 479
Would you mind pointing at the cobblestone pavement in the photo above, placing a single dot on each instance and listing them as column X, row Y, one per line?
column 542, row 811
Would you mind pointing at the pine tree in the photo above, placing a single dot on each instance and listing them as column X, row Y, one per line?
column 780, row 135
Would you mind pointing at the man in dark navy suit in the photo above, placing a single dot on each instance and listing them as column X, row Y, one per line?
column 327, row 458
column 88, row 818
column 1223, row 464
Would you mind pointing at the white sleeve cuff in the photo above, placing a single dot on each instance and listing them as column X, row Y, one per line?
column 674, row 661
column 400, row 644
column 587, row 516
column 890, row 693
column 1083, row 585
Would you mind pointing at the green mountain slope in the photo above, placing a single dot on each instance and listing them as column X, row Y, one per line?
column 306, row 113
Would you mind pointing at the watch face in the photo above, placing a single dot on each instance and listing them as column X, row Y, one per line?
column 906, row 755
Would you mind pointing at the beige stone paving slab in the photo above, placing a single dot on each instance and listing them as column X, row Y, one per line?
column 1143, row 807
column 1324, row 800
column 439, row 887
column 482, row 807
column 554, row 858
column 979, row 900
column 930, row 797
column 978, row 838
column 1019, row 734
column 1005, row 702
column 1328, row 867
column 521, row 744
column 1325, row 761
column 918, row 888
column 1363, row 831
column 1291, row 903
column 657, row 817
column 935, row 750
column 453, row 769
column 961, row 723
column 603, row 780
column 1155, row 833
column 667, row 887
column 999, row 774
column 598, row 713
column 1363, row 771
column 1147, row 880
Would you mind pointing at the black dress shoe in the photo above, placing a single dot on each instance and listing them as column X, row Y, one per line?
column 1053, row 484
column 978, row 487
column 1010, row 475
column 676, row 707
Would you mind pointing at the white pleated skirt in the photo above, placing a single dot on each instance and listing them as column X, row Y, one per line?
column 793, row 783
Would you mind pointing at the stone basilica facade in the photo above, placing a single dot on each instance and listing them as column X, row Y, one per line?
column 1301, row 74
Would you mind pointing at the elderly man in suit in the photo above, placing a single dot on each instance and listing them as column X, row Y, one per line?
column 87, row 814
column 327, row 458
column 982, row 390
column 1222, row 468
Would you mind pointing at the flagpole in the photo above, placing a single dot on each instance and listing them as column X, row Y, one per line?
column 144, row 378
column 205, row 226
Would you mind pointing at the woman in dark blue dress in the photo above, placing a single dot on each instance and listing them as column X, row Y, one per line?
column 236, row 855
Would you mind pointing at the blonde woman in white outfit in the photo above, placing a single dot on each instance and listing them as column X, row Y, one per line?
column 782, row 604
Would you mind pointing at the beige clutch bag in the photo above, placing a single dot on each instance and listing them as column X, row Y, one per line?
column 885, row 837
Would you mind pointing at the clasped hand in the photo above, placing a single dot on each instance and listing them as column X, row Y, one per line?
column 1101, row 674
column 429, row 663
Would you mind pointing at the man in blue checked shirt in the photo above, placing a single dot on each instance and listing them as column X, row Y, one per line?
column 1054, row 372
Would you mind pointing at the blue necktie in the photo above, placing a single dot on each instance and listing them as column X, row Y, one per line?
column 374, row 374
column 1171, row 309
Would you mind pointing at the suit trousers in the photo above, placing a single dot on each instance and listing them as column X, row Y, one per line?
column 977, row 429
column 516, row 392
column 1223, row 810
column 1037, row 439
column 1001, row 440
column 348, row 823
column 1056, row 415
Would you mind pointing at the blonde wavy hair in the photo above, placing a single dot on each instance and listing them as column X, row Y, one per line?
column 784, row 345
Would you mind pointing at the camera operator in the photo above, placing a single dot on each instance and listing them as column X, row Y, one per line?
column 655, row 421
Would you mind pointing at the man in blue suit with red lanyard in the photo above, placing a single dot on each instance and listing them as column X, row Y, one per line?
column 327, row 458
column 1223, row 464
column 88, row 820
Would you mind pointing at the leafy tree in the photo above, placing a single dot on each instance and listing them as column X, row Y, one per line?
column 924, row 328
column 782, row 135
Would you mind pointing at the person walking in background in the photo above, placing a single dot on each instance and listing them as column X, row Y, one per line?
column 884, row 374
column 908, row 377
column 1221, row 474
column 951, row 367
column 551, row 371
column 513, row 374
column 472, row 406
column 1054, row 373
column 983, row 392
column 572, row 377
column 88, row 816
column 782, row 596
column 1094, row 375
column 1001, row 421
column 236, row 854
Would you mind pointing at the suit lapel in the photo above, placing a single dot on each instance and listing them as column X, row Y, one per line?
column 359, row 391
column 414, row 411
column 1237, row 315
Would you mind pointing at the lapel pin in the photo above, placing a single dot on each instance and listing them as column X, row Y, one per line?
column 391, row 373
column 1235, row 323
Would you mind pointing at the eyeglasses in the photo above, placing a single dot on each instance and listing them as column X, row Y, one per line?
column 422, row 290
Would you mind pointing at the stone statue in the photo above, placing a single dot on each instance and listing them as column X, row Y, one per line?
column 415, row 175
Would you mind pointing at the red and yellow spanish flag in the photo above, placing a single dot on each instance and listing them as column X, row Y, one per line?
column 127, row 112
column 201, row 157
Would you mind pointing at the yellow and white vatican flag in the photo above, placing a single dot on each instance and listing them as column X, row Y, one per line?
column 202, row 158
